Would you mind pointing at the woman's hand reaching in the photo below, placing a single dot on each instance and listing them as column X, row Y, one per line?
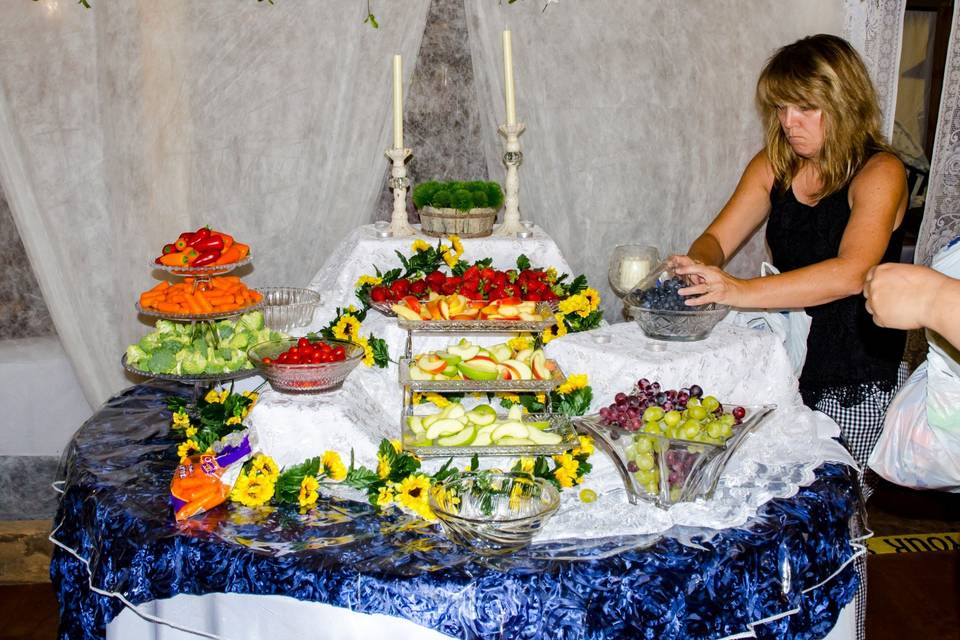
column 711, row 284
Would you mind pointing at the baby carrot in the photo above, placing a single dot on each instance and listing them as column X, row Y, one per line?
column 192, row 304
column 202, row 301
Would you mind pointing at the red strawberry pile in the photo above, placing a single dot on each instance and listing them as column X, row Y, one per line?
column 476, row 283
column 306, row 352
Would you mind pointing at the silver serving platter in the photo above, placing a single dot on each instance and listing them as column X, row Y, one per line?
column 456, row 386
column 482, row 326
column 219, row 315
column 204, row 271
column 558, row 424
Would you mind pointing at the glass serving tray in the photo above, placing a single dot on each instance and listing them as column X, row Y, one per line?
column 482, row 326
column 199, row 377
column 559, row 424
column 454, row 386
column 205, row 271
column 684, row 469
column 219, row 315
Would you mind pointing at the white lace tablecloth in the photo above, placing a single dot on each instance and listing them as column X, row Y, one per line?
column 362, row 250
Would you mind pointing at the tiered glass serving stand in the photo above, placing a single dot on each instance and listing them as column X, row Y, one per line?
column 200, row 381
column 559, row 424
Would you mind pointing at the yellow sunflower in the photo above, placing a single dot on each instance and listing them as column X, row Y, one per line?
column 384, row 496
column 457, row 244
column 527, row 464
column 186, row 448
column 371, row 280
column 437, row 400
column 574, row 382
column 412, row 494
column 383, row 467
column 252, row 490
column 308, row 492
column 265, row 465
column 593, row 297
column 333, row 466
column 347, row 328
column 419, row 245
column 585, row 448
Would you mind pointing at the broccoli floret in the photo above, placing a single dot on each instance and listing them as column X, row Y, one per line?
column 252, row 321
column 240, row 340
column 149, row 342
column 162, row 361
column 167, row 327
column 194, row 363
column 135, row 354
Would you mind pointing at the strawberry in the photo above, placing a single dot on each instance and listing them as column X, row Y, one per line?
column 379, row 294
column 399, row 288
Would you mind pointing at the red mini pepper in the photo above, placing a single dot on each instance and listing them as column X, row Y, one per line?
column 210, row 243
column 183, row 241
column 198, row 236
column 206, row 258
column 168, row 248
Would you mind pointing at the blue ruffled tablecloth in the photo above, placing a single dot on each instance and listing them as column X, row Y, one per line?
column 115, row 519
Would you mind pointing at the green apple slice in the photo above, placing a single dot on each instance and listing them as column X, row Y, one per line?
column 415, row 423
column 465, row 437
column 478, row 369
column 524, row 356
column 510, row 429
column 444, row 427
column 416, row 373
column 449, row 358
column 455, row 411
column 543, row 437
column 539, row 424
column 515, row 413
column 522, row 369
column 482, row 415
column 501, row 352
column 465, row 352
column 429, row 420
column 510, row 440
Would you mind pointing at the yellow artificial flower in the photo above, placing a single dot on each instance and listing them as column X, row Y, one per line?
column 333, row 466
column 542, row 398
column 547, row 336
column 417, row 398
column 186, row 448
column 383, row 467
column 253, row 396
column 397, row 445
column 368, row 359
column 567, row 468
column 371, row 280
column 181, row 420
column 520, row 343
column 384, row 496
column 412, row 494
column 574, row 382
column 252, row 490
column 565, row 479
column 527, row 464
column 351, row 309
column 578, row 304
column 265, row 465
column 592, row 296
column 347, row 328
column 515, row 494
column 190, row 432
column 585, row 448
column 438, row 400
column 308, row 492
column 447, row 499
column 233, row 420
column 551, row 274
column 213, row 396
column 419, row 245
column 449, row 257
column 561, row 324
column 457, row 244
column 512, row 397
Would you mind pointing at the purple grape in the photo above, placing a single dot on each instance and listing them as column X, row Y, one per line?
column 614, row 435
column 643, row 383
column 632, row 467
column 739, row 413
column 661, row 398
column 620, row 399
column 696, row 391
column 671, row 395
column 668, row 406
column 683, row 396
column 655, row 386
column 633, row 401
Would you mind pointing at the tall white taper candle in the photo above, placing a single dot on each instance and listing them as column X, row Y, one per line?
column 508, row 78
column 397, row 102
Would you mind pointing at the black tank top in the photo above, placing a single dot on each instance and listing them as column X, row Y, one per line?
column 848, row 356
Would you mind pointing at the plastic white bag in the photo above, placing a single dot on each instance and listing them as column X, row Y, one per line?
column 910, row 452
column 792, row 326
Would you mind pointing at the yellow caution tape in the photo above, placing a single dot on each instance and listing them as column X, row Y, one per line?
column 914, row 543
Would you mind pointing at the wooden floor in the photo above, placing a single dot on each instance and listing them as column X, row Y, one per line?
column 911, row 596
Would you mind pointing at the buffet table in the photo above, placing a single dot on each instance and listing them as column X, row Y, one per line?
column 770, row 555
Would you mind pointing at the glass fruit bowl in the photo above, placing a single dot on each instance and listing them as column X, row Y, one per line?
column 660, row 311
column 665, row 470
column 493, row 512
column 285, row 308
column 303, row 378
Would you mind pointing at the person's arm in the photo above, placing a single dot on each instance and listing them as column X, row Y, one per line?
column 878, row 197
column 908, row 296
column 746, row 210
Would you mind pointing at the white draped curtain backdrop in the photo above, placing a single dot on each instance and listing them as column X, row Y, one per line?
column 640, row 115
column 125, row 124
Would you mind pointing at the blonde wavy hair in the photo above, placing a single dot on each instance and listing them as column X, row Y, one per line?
column 821, row 72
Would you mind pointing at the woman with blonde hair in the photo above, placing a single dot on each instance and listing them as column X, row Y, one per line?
column 833, row 196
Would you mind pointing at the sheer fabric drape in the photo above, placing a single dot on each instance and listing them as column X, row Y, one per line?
column 125, row 124
column 640, row 115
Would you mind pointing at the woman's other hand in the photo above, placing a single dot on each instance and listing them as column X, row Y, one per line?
column 677, row 261
column 902, row 296
column 711, row 284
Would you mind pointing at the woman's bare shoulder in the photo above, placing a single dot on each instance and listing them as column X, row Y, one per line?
column 881, row 167
column 759, row 171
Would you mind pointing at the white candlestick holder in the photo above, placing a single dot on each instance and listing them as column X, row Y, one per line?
column 399, row 226
column 512, row 157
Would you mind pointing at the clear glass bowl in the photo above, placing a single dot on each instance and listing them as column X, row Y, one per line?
column 303, row 378
column 285, row 308
column 207, row 271
column 491, row 512
column 684, row 324
column 669, row 470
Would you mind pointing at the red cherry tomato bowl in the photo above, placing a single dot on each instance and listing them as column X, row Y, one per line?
column 321, row 371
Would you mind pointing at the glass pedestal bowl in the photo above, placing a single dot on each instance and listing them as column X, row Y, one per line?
column 661, row 313
column 285, row 308
column 491, row 512
column 303, row 378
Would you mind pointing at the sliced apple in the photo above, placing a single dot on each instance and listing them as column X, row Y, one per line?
column 511, row 301
column 463, row 438
column 508, row 311
column 433, row 308
column 501, row 351
column 530, row 317
column 416, row 373
column 415, row 423
column 507, row 430
column 523, row 371
column 477, row 369
column 449, row 358
column 455, row 411
column 431, row 363
column 411, row 302
column 483, row 438
column 487, row 310
column 515, row 413
column 506, row 373
column 539, row 365
column 444, row 310
column 511, row 441
column 444, row 427
column 465, row 352
column 543, row 437
column 482, row 415
column 524, row 356
column 406, row 313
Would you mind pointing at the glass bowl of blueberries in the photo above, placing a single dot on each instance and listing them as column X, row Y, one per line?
column 659, row 309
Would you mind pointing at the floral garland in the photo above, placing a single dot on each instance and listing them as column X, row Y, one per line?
column 398, row 479
column 578, row 308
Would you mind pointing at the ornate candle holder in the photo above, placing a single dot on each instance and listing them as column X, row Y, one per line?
column 399, row 227
column 512, row 157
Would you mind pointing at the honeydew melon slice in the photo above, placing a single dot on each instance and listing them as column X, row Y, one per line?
column 465, row 437
column 510, row 429
column 415, row 423
column 444, row 427
column 543, row 437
